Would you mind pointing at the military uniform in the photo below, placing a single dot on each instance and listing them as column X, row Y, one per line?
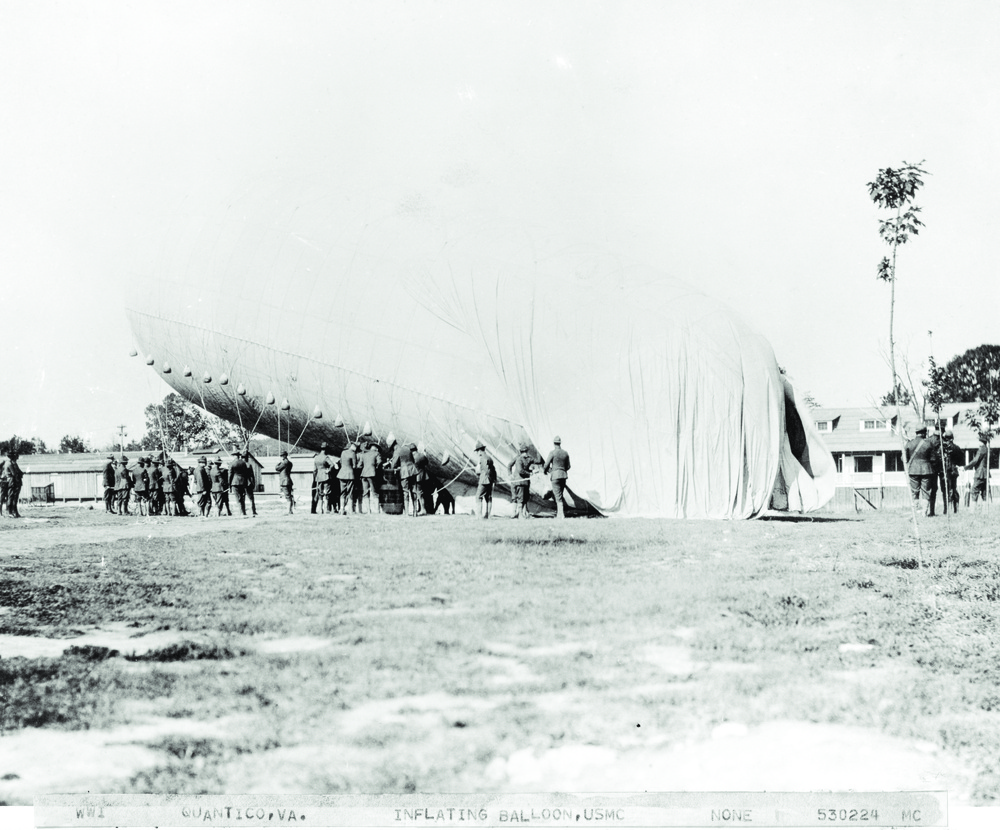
column 952, row 458
column 520, row 470
column 156, row 489
column 920, row 454
column 251, row 484
column 402, row 460
column 321, row 480
column 284, row 470
column 487, row 479
column 108, row 478
column 348, row 463
column 238, row 481
column 421, row 464
column 370, row 460
column 979, row 463
column 557, row 468
column 180, row 491
column 3, row 486
column 142, row 488
column 203, row 487
column 12, row 477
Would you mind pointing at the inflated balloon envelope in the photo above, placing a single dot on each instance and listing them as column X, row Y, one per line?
column 426, row 325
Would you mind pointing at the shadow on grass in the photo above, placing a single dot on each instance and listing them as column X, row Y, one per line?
column 187, row 651
column 556, row 541
column 799, row 518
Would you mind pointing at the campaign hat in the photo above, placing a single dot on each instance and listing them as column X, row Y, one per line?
column 557, row 440
column 480, row 446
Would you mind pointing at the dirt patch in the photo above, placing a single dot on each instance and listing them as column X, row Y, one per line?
column 118, row 637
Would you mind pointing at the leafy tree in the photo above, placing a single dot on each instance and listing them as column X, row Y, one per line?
column 902, row 396
column 22, row 446
column 895, row 190
column 972, row 375
column 174, row 424
column 73, row 443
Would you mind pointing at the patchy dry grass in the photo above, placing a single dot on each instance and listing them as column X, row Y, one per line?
column 443, row 644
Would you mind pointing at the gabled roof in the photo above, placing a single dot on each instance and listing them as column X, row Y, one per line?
column 848, row 436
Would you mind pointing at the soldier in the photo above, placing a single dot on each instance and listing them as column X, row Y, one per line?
column 557, row 468
column 980, row 463
column 156, row 488
column 251, row 482
column 122, row 486
column 951, row 459
column 168, row 482
column 348, row 463
column 520, row 470
column 321, row 478
column 225, row 487
column 108, row 477
column 421, row 462
column 12, row 477
column 920, row 453
column 284, row 470
column 203, row 487
column 402, row 460
column 238, row 481
column 371, row 459
column 487, row 479
column 142, row 488
column 180, row 490
column 218, row 485
column 3, row 484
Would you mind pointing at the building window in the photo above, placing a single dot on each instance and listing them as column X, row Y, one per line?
column 838, row 459
column 894, row 462
column 822, row 426
column 863, row 463
column 875, row 423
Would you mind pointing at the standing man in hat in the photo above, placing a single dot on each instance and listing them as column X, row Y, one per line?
column 487, row 478
column 920, row 454
column 3, row 483
column 348, row 464
column 181, row 490
column 370, row 461
column 421, row 464
column 218, row 485
column 169, row 483
column 951, row 460
column 321, row 479
column 156, row 499
column 520, row 471
column 238, row 471
column 12, row 477
column 284, row 470
column 251, row 483
column 557, row 468
column 123, row 486
column 980, row 464
column 203, row 487
column 142, row 488
column 402, row 460
column 108, row 477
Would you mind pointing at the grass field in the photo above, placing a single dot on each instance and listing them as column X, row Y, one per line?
column 385, row 654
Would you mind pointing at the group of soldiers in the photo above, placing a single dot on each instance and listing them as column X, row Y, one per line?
column 10, row 485
column 933, row 462
column 344, row 484
column 556, row 466
column 159, row 485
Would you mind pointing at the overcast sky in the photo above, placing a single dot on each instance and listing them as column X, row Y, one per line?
column 727, row 144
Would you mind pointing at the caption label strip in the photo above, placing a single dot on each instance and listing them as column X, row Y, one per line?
column 702, row 809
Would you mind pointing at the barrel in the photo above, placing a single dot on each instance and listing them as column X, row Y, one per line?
column 390, row 494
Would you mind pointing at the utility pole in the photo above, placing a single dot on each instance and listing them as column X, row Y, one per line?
column 121, row 436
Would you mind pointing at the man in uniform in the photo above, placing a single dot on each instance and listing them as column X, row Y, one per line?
column 12, row 477
column 321, row 479
column 420, row 480
column 557, row 468
column 487, row 478
column 142, row 488
column 155, row 487
column 123, row 486
column 203, row 487
column 218, row 484
column 951, row 459
column 920, row 453
column 169, row 482
column 225, row 487
column 348, row 463
column 108, row 477
column 251, row 483
column 284, row 470
column 520, row 471
column 238, row 470
column 180, row 490
column 980, row 463
column 3, row 483
column 370, row 461
column 402, row 460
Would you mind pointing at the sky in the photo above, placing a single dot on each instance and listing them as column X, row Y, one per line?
column 728, row 144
